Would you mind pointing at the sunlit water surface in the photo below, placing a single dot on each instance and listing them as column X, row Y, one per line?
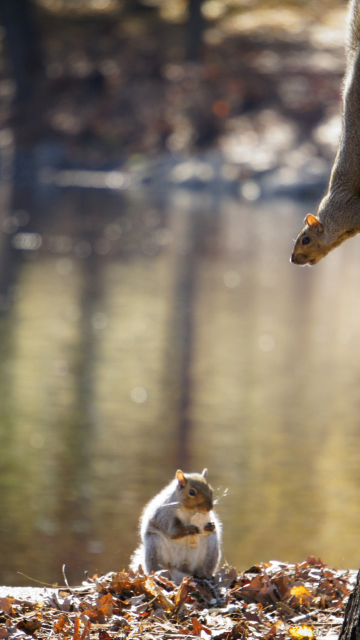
column 150, row 332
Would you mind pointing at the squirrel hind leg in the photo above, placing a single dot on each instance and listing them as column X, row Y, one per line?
column 152, row 561
column 212, row 558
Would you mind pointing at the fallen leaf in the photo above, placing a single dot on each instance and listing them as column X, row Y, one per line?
column 198, row 627
column 272, row 632
column 282, row 583
column 182, row 593
column 299, row 596
column 236, row 633
column 313, row 562
column 268, row 595
column 299, row 591
column 105, row 605
column 76, row 635
column 60, row 624
column 252, row 617
column 301, row 632
column 226, row 576
column 250, row 591
column 284, row 609
column 29, row 625
column 5, row 605
column 150, row 587
column 86, row 630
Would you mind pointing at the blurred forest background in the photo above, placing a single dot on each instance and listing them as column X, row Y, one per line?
column 157, row 158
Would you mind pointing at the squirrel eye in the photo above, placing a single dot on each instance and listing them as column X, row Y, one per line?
column 305, row 240
column 192, row 492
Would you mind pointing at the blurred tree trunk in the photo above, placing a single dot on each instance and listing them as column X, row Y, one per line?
column 351, row 625
column 195, row 29
column 22, row 42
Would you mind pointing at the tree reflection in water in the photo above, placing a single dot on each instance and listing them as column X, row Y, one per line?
column 149, row 332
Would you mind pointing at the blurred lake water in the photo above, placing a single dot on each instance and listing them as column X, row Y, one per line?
column 146, row 331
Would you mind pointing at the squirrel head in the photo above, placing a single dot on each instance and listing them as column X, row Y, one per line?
column 339, row 215
column 310, row 244
column 195, row 492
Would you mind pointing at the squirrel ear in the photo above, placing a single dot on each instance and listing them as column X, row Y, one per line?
column 314, row 223
column 180, row 477
column 204, row 473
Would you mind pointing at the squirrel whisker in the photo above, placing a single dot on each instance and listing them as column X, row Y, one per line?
column 224, row 495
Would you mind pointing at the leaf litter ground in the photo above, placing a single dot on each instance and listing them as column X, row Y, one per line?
column 273, row 601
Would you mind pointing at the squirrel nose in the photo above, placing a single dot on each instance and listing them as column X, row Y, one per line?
column 299, row 258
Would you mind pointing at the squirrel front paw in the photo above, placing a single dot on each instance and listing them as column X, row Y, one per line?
column 210, row 526
column 192, row 529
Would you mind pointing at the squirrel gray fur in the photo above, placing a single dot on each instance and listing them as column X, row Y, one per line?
column 338, row 216
column 179, row 529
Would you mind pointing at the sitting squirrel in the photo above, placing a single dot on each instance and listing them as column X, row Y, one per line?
column 179, row 529
column 338, row 216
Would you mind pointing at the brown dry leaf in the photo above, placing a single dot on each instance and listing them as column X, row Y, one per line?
column 152, row 589
column 282, row 583
column 237, row 632
column 165, row 582
column 76, row 635
column 341, row 587
column 104, row 635
column 183, row 592
column 337, row 604
column 299, row 596
column 99, row 611
column 284, row 609
column 250, row 591
column 105, row 605
column 5, row 605
column 272, row 632
column 94, row 615
column 206, row 593
column 118, row 583
column 29, row 624
column 300, row 633
column 60, row 624
column 256, row 583
column 259, row 590
column 86, row 630
column 274, row 629
column 268, row 595
column 124, row 581
column 198, row 627
column 252, row 617
column 313, row 562
column 226, row 576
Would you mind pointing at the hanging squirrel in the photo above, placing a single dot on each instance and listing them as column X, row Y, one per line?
column 338, row 216
column 179, row 529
